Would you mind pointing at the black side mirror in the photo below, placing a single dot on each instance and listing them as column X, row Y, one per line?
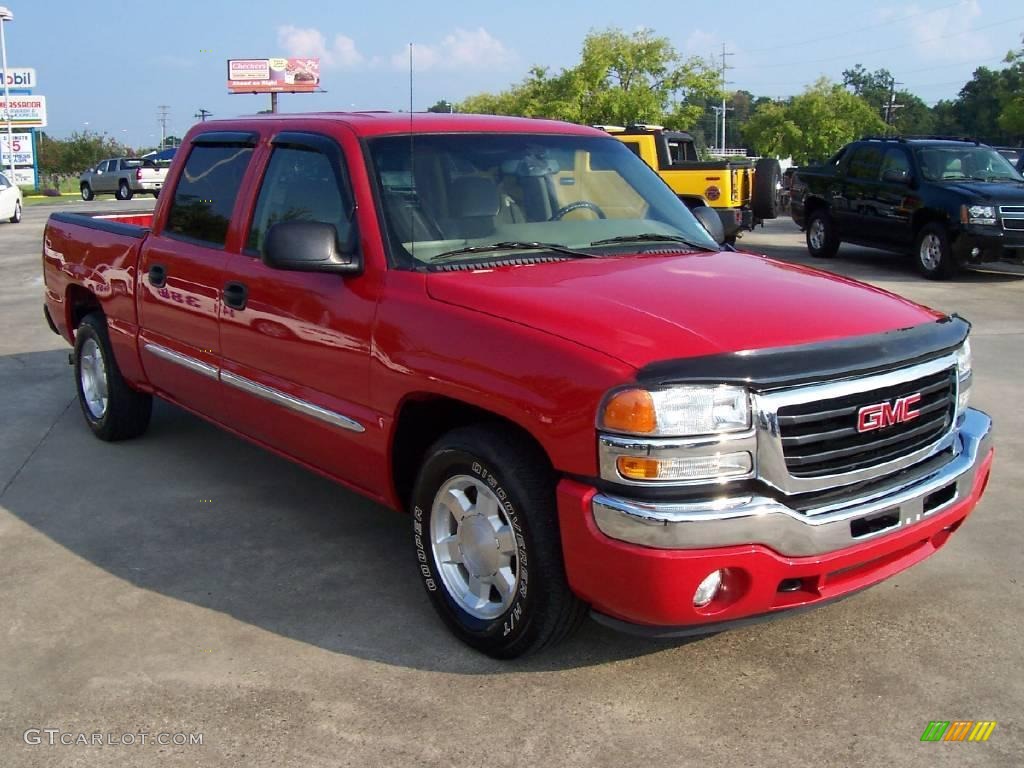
column 309, row 246
column 896, row 176
column 711, row 221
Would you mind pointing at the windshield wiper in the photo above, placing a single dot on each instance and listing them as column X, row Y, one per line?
column 651, row 237
column 515, row 245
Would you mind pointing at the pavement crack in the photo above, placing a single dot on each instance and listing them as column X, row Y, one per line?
column 35, row 448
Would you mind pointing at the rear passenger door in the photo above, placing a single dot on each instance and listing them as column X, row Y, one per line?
column 858, row 215
column 181, row 273
column 103, row 180
column 894, row 201
column 297, row 351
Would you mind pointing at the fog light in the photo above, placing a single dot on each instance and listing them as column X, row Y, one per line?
column 707, row 589
column 975, row 252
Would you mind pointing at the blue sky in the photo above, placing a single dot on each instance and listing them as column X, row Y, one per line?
column 107, row 65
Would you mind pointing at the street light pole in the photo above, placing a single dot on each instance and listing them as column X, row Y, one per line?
column 6, row 15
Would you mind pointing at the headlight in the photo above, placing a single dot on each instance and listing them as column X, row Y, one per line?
column 676, row 412
column 963, row 375
column 978, row 214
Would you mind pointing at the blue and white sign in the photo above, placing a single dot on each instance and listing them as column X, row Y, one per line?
column 19, row 79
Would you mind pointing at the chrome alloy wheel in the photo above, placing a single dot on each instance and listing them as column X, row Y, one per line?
column 817, row 234
column 92, row 374
column 931, row 252
column 474, row 547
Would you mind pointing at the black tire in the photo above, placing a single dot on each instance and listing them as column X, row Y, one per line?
column 124, row 191
column 542, row 609
column 767, row 183
column 933, row 253
column 127, row 411
column 16, row 218
column 87, row 193
column 823, row 243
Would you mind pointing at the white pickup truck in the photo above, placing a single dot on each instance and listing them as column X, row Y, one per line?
column 123, row 177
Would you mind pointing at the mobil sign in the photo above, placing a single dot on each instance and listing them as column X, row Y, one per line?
column 19, row 78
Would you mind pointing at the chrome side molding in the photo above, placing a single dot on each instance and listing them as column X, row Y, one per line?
column 275, row 396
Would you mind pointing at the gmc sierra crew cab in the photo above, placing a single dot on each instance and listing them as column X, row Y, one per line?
column 514, row 331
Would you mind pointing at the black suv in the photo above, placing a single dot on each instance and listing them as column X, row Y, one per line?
column 950, row 202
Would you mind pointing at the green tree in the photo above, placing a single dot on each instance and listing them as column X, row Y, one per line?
column 813, row 125
column 621, row 78
column 442, row 106
column 1011, row 117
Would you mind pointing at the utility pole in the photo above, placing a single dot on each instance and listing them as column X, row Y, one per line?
column 717, row 110
column 162, row 115
column 202, row 114
column 725, row 82
column 892, row 106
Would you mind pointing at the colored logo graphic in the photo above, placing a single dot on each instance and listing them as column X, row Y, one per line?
column 958, row 730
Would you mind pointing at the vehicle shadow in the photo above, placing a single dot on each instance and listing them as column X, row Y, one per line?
column 196, row 514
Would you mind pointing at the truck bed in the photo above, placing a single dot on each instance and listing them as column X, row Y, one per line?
column 94, row 254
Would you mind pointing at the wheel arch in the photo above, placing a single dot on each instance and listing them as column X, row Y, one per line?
column 421, row 419
column 79, row 302
column 924, row 216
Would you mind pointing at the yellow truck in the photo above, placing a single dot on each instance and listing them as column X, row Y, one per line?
column 742, row 192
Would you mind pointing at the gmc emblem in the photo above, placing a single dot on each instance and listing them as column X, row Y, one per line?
column 872, row 417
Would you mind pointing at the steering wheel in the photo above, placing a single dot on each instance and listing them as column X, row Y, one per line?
column 557, row 215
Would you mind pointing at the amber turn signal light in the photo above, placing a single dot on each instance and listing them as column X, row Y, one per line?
column 631, row 411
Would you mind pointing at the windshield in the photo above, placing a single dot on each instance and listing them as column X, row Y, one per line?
column 445, row 192
column 954, row 163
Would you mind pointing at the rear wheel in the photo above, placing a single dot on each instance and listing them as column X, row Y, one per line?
column 487, row 543
column 935, row 258
column 124, row 192
column 87, row 193
column 822, row 238
column 17, row 213
column 767, row 186
column 113, row 410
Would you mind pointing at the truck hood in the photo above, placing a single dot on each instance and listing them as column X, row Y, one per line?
column 645, row 308
column 1004, row 192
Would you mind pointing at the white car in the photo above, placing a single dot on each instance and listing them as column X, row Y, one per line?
column 10, row 201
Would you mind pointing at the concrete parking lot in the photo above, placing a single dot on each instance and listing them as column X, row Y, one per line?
column 190, row 582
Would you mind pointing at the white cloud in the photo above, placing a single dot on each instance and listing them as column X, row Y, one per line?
column 462, row 49
column 308, row 41
column 939, row 35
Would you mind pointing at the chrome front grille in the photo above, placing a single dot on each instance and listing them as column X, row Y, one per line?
column 1012, row 216
column 808, row 438
column 821, row 438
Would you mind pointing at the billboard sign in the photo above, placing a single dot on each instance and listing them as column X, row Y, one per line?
column 26, row 111
column 19, row 78
column 22, row 143
column 294, row 75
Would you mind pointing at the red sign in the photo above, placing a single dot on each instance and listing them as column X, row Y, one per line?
column 872, row 417
column 294, row 75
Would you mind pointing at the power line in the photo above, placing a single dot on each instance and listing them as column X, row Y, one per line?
column 202, row 114
column 855, row 54
column 848, row 32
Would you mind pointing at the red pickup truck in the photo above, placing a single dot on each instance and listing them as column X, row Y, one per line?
column 514, row 331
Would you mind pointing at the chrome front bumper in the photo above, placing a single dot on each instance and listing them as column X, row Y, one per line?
column 738, row 520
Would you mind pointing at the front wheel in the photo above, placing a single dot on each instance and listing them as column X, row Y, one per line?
column 935, row 258
column 16, row 218
column 487, row 543
column 822, row 238
column 112, row 409
column 87, row 193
